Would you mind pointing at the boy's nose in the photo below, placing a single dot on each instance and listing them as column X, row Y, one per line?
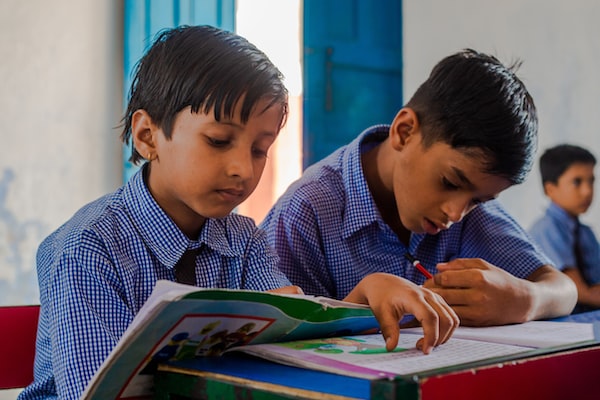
column 588, row 189
column 239, row 164
column 457, row 209
column 455, row 216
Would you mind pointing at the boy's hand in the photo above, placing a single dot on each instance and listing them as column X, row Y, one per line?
column 287, row 290
column 391, row 297
column 482, row 294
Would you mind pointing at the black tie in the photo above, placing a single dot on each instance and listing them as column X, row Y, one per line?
column 185, row 269
column 580, row 265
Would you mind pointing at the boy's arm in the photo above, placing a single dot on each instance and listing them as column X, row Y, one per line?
column 588, row 295
column 87, row 316
column 499, row 276
column 483, row 294
column 261, row 270
column 287, row 290
column 293, row 231
column 553, row 295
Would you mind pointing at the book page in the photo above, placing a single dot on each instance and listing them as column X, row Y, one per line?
column 365, row 356
column 534, row 334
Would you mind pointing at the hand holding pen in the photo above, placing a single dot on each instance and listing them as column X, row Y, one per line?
column 418, row 265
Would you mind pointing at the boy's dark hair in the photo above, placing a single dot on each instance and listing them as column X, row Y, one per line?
column 202, row 67
column 556, row 160
column 472, row 101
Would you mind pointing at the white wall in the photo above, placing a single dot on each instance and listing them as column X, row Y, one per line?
column 61, row 80
column 558, row 43
column 61, row 75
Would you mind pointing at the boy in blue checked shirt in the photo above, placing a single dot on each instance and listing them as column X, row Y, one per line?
column 205, row 106
column 426, row 186
column 568, row 179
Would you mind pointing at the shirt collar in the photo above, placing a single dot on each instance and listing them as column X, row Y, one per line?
column 164, row 239
column 556, row 212
column 360, row 208
column 214, row 235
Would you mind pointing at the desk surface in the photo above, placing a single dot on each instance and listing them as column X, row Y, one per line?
column 568, row 373
column 590, row 316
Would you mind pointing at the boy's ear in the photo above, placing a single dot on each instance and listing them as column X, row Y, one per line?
column 143, row 131
column 549, row 188
column 404, row 127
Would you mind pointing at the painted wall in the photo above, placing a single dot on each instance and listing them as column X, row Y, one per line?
column 61, row 75
column 558, row 44
column 60, row 80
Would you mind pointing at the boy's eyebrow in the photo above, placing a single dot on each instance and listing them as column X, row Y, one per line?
column 462, row 177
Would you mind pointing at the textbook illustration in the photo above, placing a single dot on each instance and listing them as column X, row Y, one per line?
column 181, row 322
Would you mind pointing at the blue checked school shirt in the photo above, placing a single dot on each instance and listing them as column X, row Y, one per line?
column 555, row 234
column 329, row 234
column 96, row 271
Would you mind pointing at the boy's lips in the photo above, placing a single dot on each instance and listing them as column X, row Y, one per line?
column 231, row 195
column 433, row 228
column 430, row 227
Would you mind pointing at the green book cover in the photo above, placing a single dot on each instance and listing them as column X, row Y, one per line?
column 180, row 322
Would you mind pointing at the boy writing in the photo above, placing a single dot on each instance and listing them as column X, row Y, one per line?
column 568, row 180
column 205, row 106
column 426, row 185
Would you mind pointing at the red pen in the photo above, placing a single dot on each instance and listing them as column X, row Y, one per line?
column 418, row 265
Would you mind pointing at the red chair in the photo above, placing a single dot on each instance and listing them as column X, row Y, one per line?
column 17, row 345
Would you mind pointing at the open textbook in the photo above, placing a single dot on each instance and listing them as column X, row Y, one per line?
column 180, row 322
column 364, row 356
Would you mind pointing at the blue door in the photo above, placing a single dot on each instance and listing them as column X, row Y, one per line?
column 145, row 18
column 352, row 70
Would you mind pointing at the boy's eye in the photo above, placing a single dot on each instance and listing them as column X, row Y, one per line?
column 451, row 186
column 258, row 153
column 217, row 142
column 448, row 185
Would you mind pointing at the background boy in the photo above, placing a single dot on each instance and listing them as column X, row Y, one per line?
column 426, row 185
column 568, row 180
column 205, row 106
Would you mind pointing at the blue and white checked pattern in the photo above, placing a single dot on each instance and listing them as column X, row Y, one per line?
column 554, row 233
column 98, row 269
column 329, row 234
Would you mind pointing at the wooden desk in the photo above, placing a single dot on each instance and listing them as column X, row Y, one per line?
column 571, row 373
